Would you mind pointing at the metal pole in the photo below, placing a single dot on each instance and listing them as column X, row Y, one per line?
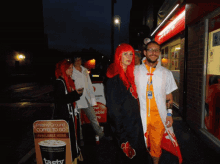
column 119, row 26
column 112, row 29
column 119, row 32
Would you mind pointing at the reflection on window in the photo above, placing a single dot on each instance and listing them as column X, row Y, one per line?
column 170, row 60
column 164, row 57
column 212, row 98
column 175, row 51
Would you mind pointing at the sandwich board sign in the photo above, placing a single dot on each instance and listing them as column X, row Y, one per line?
column 52, row 142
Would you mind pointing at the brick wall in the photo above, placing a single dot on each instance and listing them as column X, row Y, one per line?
column 195, row 73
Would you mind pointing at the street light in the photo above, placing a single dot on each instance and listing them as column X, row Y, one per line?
column 20, row 57
column 117, row 21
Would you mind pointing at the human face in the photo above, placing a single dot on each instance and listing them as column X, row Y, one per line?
column 152, row 53
column 78, row 62
column 69, row 71
column 126, row 58
column 137, row 60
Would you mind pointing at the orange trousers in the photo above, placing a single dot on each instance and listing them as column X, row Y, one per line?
column 155, row 127
column 155, row 131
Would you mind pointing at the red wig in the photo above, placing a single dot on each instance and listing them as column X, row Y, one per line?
column 60, row 70
column 116, row 68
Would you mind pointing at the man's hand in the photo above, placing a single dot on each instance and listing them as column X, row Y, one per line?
column 170, row 104
column 169, row 121
column 169, row 99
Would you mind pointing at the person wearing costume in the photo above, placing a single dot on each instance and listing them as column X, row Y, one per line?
column 137, row 57
column 155, row 84
column 87, row 100
column 123, row 109
column 65, row 96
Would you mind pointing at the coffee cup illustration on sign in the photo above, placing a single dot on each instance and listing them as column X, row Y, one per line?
column 53, row 151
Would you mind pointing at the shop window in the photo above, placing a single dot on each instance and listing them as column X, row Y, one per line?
column 164, row 57
column 170, row 60
column 212, row 89
column 175, row 68
column 175, row 51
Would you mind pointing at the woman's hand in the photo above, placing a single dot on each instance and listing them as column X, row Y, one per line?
column 80, row 91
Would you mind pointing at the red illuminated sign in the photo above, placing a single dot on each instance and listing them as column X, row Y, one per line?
column 100, row 112
column 90, row 64
column 173, row 28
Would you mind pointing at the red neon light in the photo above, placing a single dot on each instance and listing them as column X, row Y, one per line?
column 165, row 34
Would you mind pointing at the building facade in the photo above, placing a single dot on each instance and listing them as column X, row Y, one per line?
column 143, row 19
column 203, row 70
column 190, row 41
column 171, row 37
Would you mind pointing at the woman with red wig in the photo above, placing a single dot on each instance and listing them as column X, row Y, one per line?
column 65, row 96
column 123, row 108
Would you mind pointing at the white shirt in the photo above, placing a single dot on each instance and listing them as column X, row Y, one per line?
column 82, row 80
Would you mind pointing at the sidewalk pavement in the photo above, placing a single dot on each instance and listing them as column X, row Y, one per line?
column 193, row 149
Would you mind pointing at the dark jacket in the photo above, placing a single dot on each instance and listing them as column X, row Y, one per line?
column 124, row 115
column 62, row 99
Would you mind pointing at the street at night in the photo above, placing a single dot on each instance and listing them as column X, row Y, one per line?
column 21, row 105
column 148, row 72
column 34, row 101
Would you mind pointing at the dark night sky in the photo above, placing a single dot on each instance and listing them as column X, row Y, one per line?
column 72, row 24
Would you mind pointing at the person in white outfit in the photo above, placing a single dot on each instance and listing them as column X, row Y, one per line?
column 87, row 100
column 155, row 85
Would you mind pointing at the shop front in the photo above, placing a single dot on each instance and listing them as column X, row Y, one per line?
column 211, row 98
column 190, row 42
column 171, row 38
column 203, row 67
